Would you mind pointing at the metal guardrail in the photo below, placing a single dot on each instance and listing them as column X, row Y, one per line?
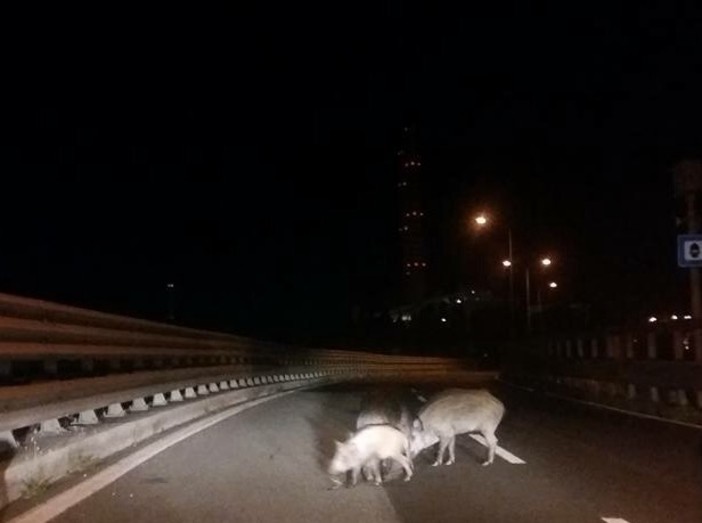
column 59, row 362
column 654, row 369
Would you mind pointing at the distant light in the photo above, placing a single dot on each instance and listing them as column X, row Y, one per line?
column 472, row 292
column 652, row 319
column 459, row 301
column 674, row 317
column 443, row 320
column 506, row 263
column 481, row 219
column 687, row 317
column 170, row 285
column 553, row 285
column 546, row 262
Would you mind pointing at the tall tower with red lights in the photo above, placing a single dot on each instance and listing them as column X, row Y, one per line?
column 411, row 220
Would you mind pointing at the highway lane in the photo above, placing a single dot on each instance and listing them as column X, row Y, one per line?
column 267, row 464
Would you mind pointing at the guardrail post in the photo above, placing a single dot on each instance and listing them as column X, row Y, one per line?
column 594, row 352
column 159, row 400
column 175, row 396
column 5, row 369
column 138, row 405
column 51, row 426
column 631, row 391
column 651, row 353
column 87, row 417
column 629, row 346
column 115, row 411
column 679, row 396
column 87, row 366
column 579, row 348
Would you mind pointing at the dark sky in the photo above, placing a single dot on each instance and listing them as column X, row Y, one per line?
column 249, row 156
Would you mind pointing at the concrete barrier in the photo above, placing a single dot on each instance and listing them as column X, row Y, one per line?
column 48, row 461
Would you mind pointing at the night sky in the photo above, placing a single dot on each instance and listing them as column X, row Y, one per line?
column 250, row 157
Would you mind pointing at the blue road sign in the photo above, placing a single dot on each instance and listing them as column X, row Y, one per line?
column 690, row 250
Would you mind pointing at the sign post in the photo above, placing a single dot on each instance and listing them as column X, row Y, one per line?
column 688, row 184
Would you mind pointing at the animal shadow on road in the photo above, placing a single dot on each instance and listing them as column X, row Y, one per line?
column 335, row 420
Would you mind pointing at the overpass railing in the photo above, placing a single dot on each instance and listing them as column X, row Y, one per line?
column 655, row 369
column 61, row 364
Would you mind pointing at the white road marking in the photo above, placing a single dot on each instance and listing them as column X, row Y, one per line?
column 500, row 451
column 614, row 520
column 65, row 500
column 503, row 453
column 627, row 412
column 607, row 407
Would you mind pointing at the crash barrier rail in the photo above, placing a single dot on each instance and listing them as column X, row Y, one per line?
column 62, row 364
column 656, row 369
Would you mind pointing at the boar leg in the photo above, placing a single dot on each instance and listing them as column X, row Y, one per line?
column 354, row 476
column 369, row 471
column 492, row 447
column 375, row 474
column 443, row 443
column 452, row 451
column 406, row 465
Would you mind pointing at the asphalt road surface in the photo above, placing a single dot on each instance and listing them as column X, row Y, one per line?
column 268, row 464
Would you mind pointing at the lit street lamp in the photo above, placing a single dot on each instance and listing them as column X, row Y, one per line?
column 545, row 262
column 482, row 220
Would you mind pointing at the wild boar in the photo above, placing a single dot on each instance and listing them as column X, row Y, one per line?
column 452, row 412
column 378, row 409
column 371, row 443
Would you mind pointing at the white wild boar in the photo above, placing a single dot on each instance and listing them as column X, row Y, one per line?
column 382, row 409
column 374, row 442
column 457, row 411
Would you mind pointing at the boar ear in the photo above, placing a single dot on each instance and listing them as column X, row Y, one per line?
column 417, row 424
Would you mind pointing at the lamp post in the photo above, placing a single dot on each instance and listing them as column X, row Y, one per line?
column 544, row 262
column 481, row 220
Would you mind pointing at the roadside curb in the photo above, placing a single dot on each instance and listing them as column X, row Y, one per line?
column 34, row 466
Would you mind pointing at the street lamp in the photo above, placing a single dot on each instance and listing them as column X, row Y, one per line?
column 482, row 220
column 545, row 262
